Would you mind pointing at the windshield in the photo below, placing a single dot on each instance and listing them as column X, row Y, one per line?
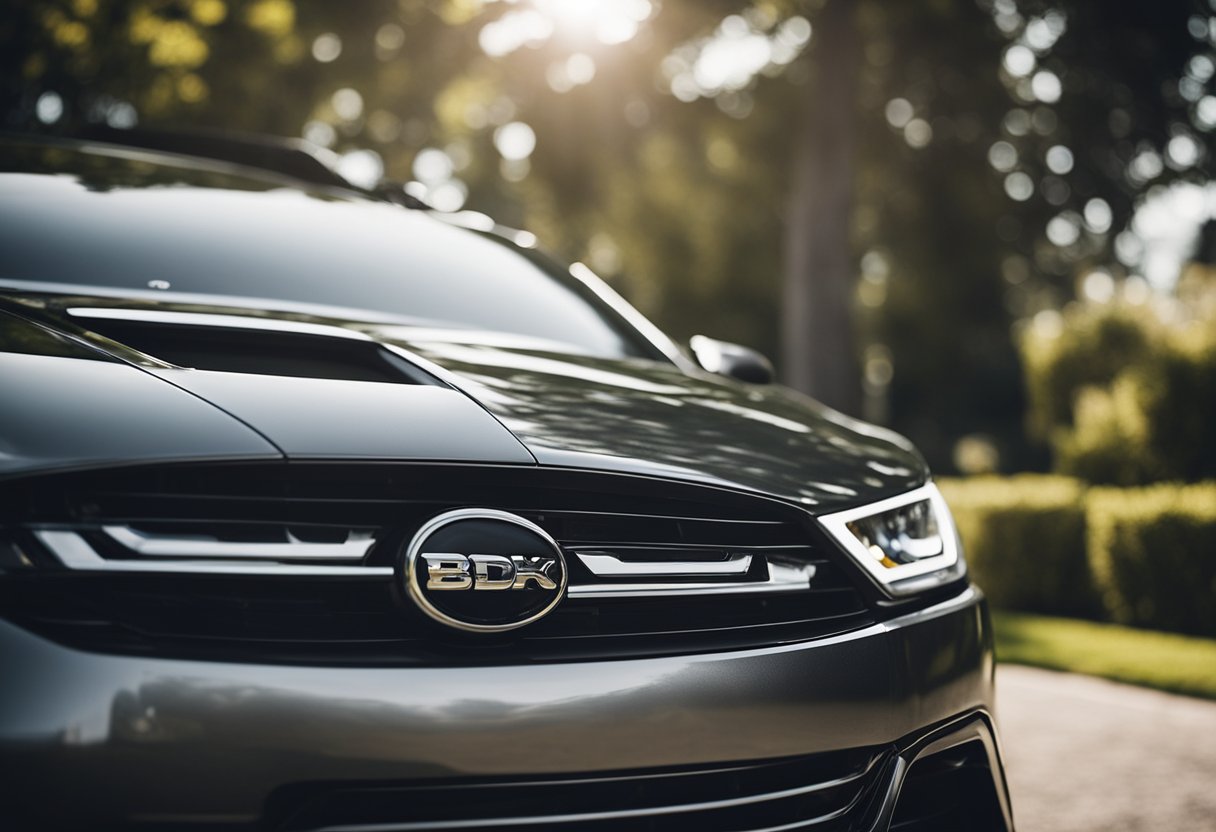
column 73, row 218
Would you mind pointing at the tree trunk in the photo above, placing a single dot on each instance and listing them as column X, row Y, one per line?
column 818, row 348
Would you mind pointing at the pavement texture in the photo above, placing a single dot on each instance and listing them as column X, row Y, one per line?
column 1084, row 755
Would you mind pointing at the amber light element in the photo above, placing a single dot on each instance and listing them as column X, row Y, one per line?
column 907, row 543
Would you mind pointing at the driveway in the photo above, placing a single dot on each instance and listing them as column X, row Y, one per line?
column 1087, row 755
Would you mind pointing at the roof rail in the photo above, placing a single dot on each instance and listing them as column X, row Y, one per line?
column 295, row 158
column 291, row 157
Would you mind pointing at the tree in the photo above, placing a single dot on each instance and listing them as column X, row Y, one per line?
column 921, row 175
column 818, row 343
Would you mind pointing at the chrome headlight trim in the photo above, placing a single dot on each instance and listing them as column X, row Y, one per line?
column 905, row 578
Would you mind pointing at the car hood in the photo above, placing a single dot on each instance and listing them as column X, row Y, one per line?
column 653, row 418
column 525, row 404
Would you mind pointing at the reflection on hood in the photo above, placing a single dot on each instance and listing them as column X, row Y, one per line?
column 641, row 415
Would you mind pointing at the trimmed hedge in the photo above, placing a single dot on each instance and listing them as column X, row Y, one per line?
column 1024, row 538
column 1152, row 552
column 1151, row 424
column 1047, row 544
column 1125, row 393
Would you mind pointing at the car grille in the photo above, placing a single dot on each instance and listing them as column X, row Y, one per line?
column 835, row 791
column 296, row 562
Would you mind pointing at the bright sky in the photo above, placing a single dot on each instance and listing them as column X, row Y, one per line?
column 1162, row 235
column 579, row 21
column 1166, row 228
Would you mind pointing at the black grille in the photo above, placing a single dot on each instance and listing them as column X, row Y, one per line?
column 835, row 791
column 364, row 619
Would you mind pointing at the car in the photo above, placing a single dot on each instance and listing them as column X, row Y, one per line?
column 320, row 509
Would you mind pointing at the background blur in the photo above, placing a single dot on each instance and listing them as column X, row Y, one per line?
column 988, row 224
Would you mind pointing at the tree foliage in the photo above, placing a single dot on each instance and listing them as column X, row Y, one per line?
column 999, row 147
column 1125, row 391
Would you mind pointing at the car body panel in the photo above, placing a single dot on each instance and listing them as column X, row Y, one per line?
column 332, row 418
column 209, row 738
column 201, row 231
column 69, row 412
column 567, row 409
column 646, row 416
column 569, row 406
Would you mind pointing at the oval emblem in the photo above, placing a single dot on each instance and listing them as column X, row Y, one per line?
column 484, row 570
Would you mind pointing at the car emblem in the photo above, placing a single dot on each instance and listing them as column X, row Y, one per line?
column 484, row 570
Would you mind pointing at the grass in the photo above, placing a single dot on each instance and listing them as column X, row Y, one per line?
column 1175, row 663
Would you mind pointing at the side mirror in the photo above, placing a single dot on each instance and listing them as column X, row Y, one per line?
column 733, row 360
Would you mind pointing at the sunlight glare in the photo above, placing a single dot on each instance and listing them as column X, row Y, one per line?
column 729, row 60
column 609, row 22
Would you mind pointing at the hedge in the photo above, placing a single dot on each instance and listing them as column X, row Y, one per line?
column 1152, row 552
column 1024, row 538
column 1125, row 393
column 1046, row 544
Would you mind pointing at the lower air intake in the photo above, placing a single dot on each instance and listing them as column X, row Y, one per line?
column 824, row 792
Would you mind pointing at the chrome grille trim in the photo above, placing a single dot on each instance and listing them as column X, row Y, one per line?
column 74, row 552
column 356, row 546
column 609, row 565
column 781, row 578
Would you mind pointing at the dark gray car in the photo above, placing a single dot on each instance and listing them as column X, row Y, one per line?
column 321, row 511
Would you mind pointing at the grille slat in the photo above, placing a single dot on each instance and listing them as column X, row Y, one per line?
column 830, row 791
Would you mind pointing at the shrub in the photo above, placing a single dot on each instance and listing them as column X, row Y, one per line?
column 1152, row 552
column 1024, row 538
column 1110, row 442
column 1085, row 346
column 1126, row 393
column 1152, row 423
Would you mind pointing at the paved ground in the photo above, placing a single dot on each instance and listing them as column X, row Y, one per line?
column 1087, row 755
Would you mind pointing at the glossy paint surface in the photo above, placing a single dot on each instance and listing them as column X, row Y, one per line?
column 73, row 408
column 650, row 417
column 125, row 222
column 209, row 237
column 565, row 409
column 213, row 738
column 308, row 418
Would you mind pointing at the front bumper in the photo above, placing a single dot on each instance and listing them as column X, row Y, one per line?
column 89, row 738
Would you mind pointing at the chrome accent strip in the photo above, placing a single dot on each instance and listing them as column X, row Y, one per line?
column 207, row 319
column 355, row 547
column 609, row 565
column 74, row 552
column 254, row 306
column 782, row 577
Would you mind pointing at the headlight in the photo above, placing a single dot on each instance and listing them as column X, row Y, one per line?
column 907, row 543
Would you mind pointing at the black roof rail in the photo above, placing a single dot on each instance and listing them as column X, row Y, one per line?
column 295, row 158
column 291, row 157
